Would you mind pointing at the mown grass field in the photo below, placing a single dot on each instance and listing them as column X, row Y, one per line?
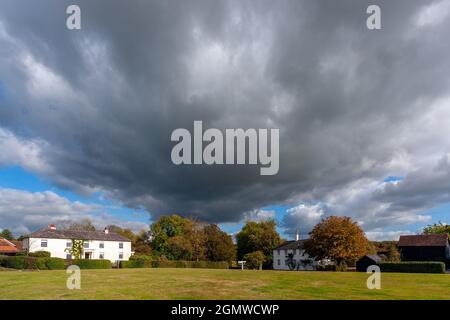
column 219, row 284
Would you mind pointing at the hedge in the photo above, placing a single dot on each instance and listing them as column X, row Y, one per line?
column 90, row 264
column 40, row 254
column 413, row 266
column 141, row 263
column 136, row 264
column 33, row 263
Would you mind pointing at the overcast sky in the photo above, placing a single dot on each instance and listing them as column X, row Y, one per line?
column 364, row 115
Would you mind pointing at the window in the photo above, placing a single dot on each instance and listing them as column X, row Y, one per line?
column 86, row 245
column 279, row 252
column 101, row 255
column 68, row 244
column 286, row 262
column 120, row 245
column 68, row 256
column 102, row 245
column 120, row 255
column 44, row 243
column 278, row 262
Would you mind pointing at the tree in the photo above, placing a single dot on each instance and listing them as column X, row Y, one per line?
column 218, row 244
column 7, row 234
column 258, row 236
column 255, row 260
column 338, row 239
column 82, row 225
column 77, row 249
column 167, row 227
column 393, row 255
column 291, row 263
column 142, row 243
column 179, row 248
column 437, row 228
column 127, row 233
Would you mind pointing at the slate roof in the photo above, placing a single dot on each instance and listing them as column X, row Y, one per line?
column 374, row 257
column 291, row 245
column 7, row 246
column 424, row 240
column 78, row 235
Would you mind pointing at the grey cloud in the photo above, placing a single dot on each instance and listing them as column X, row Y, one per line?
column 348, row 101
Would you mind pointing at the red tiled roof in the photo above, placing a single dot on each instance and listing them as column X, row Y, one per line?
column 7, row 246
column 424, row 240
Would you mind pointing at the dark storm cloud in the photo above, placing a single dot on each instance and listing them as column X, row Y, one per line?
column 102, row 102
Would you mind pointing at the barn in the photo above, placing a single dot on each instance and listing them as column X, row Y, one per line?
column 426, row 247
column 368, row 260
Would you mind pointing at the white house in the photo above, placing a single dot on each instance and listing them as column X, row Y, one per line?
column 301, row 260
column 97, row 245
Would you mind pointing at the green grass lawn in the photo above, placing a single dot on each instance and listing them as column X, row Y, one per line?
column 219, row 284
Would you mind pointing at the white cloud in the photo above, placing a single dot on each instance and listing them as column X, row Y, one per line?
column 386, row 235
column 302, row 218
column 259, row 215
column 433, row 14
column 18, row 151
column 24, row 211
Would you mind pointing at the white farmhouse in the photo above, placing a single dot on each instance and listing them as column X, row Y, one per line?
column 97, row 245
column 300, row 258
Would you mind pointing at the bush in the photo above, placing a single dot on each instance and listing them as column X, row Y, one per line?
column 136, row 264
column 90, row 264
column 413, row 266
column 55, row 263
column 40, row 254
column 145, row 263
column 20, row 262
column 190, row 264
column 141, row 257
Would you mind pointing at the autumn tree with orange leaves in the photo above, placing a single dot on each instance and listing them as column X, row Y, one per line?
column 339, row 239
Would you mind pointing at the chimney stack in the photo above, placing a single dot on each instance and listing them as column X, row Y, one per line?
column 52, row 227
column 106, row 231
column 297, row 236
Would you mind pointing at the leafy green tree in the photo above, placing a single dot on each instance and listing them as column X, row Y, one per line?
column 437, row 228
column 218, row 244
column 339, row 239
column 7, row 234
column 258, row 236
column 255, row 260
column 77, row 249
column 167, row 227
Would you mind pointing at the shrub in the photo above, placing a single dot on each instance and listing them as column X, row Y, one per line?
column 413, row 266
column 141, row 257
column 55, row 263
column 90, row 264
column 19, row 262
column 190, row 264
column 40, row 254
column 136, row 264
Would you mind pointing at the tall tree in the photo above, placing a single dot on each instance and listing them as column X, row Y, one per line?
column 258, row 236
column 338, row 239
column 437, row 228
column 82, row 225
column 167, row 227
column 218, row 244
column 7, row 234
